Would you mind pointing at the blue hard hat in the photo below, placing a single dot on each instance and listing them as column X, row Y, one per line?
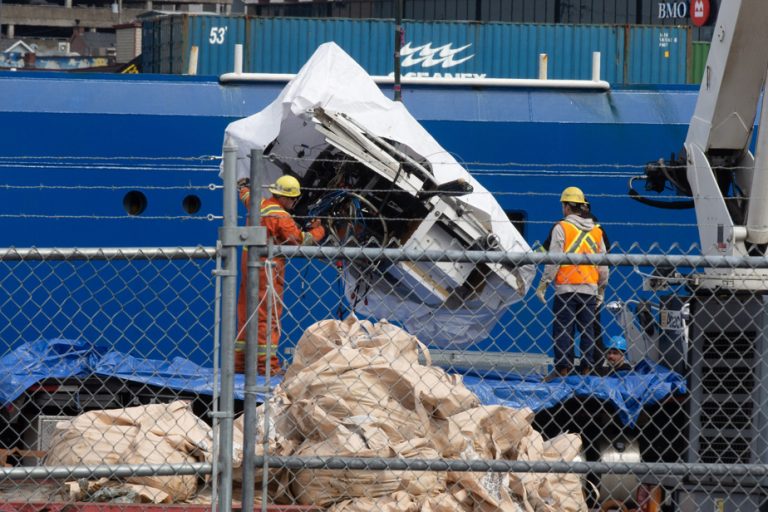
column 617, row 342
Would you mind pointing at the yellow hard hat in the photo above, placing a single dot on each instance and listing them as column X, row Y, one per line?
column 572, row 195
column 287, row 186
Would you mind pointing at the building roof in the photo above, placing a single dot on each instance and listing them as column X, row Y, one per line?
column 91, row 43
column 99, row 39
column 131, row 24
column 154, row 13
column 19, row 46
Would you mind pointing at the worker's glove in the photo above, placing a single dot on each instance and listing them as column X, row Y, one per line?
column 600, row 295
column 541, row 291
column 316, row 230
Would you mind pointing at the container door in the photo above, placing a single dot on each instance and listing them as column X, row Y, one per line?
column 657, row 55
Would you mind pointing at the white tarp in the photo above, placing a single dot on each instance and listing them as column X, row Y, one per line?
column 331, row 79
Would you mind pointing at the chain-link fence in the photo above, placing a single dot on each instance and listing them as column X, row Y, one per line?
column 424, row 370
column 406, row 362
column 105, row 338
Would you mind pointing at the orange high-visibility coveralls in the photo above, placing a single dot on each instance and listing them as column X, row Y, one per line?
column 282, row 229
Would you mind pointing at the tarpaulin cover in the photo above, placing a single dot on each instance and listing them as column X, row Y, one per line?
column 648, row 383
column 58, row 358
column 33, row 362
column 333, row 81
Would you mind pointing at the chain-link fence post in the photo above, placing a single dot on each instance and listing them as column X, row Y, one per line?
column 252, row 333
column 228, row 313
column 268, row 354
column 216, row 388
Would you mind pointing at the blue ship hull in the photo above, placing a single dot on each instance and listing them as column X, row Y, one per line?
column 74, row 146
column 519, row 142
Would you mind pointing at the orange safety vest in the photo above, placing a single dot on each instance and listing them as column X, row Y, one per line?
column 578, row 241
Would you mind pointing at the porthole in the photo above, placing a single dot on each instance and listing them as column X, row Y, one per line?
column 191, row 204
column 135, row 202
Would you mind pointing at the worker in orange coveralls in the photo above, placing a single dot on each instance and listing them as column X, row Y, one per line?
column 281, row 229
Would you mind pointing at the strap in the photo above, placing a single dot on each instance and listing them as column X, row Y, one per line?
column 584, row 236
column 592, row 244
column 576, row 243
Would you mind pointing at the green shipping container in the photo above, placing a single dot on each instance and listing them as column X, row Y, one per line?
column 697, row 61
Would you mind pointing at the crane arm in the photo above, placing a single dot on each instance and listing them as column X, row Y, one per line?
column 729, row 187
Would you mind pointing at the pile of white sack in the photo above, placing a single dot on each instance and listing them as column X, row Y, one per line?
column 148, row 434
column 355, row 389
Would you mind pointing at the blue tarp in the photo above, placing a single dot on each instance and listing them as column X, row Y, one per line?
column 34, row 362
column 629, row 392
column 59, row 358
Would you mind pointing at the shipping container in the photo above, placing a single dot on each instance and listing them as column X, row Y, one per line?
column 168, row 41
column 629, row 55
column 657, row 55
column 446, row 49
column 593, row 12
column 283, row 45
column 697, row 61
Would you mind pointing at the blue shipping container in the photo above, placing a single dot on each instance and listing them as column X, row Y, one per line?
column 431, row 49
column 283, row 45
column 440, row 49
column 167, row 43
column 658, row 55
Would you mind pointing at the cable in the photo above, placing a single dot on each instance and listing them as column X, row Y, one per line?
column 657, row 203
